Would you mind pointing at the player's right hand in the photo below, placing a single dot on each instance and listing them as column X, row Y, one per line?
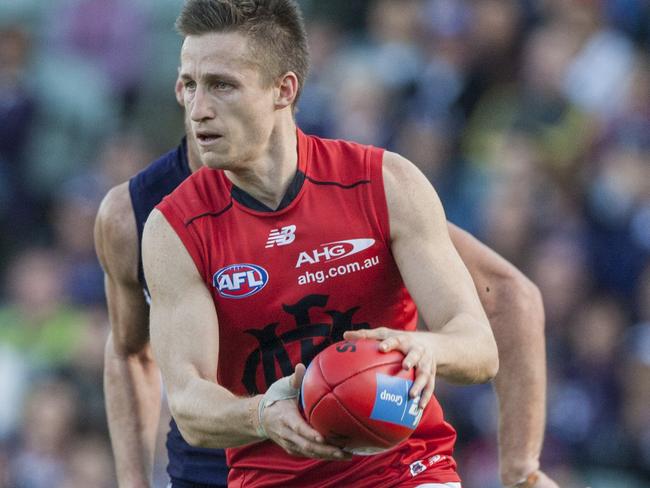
column 285, row 425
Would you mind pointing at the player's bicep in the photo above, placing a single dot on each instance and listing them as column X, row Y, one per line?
column 183, row 320
column 428, row 262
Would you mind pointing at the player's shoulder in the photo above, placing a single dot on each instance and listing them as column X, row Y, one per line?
column 163, row 251
column 205, row 191
column 116, row 235
column 342, row 159
column 409, row 194
column 402, row 176
column 115, row 215
column 156, row 226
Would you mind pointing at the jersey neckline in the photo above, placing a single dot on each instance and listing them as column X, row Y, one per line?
column 294, row 192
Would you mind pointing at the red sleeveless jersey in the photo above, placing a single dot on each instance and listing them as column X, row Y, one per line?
column 287, row 283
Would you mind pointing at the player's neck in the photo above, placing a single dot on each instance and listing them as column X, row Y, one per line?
column 268, row 177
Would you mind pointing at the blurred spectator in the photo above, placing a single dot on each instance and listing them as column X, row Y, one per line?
column 619, row 195
column 360, row 108
column 599, row 73
column 642, row 307
column 558, row 265
column 48, row 425
column 636, row 393
column 17, row 110
column 38, row 322
column 315, row 113
column 89, row 463
column 14, row 379
column 110, row 34
column 73, row 219
column 122, row 155
column 16, row 102
column 583, row 400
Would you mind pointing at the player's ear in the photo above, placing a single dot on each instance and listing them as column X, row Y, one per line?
column 179, row 90
column 286, row 90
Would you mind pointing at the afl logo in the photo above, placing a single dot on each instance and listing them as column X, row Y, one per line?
column 240, row 280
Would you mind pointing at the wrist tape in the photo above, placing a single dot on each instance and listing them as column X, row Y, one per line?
column 280, row 390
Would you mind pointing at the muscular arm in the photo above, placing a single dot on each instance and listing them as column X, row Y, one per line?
column 437, row 279
column 514, row 307
column 131, row 378
column 459, row 344
column 185, row 341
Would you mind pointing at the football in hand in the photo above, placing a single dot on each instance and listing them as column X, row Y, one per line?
column 357, row 397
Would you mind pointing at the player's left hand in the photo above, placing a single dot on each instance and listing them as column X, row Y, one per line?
column 416, row 355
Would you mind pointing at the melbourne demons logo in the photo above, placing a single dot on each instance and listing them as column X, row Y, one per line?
column 240, row 280
column 271, row 357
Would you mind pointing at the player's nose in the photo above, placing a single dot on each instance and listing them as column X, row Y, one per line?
column 201, row 108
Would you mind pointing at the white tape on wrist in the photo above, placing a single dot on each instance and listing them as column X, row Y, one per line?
column 280, row 390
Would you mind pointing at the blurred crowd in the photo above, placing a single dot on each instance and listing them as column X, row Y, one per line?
column 530, row 117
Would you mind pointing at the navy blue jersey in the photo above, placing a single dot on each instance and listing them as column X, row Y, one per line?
column 187, row 465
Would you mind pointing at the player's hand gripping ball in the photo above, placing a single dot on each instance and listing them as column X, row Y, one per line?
column 357, row 397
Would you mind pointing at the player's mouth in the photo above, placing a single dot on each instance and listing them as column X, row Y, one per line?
column 205, row 138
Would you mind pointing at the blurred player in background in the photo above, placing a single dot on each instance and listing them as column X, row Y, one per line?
column 132, row 378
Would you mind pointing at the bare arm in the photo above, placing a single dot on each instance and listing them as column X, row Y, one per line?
column 459, row 345
column 131, row 377
column 514, row 307
column 185, row 340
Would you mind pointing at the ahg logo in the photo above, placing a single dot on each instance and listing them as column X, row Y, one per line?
column 333, row 251
column 240, row 280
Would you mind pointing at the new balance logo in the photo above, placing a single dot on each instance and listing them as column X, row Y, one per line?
column 281, row 237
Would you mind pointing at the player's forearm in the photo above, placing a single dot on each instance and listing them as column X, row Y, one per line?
column 132, row 392
column 210, row 416
column 518, row 325
column 464, row 351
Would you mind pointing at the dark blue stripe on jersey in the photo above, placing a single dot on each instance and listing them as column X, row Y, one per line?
column 209, row 214
column 147, row 189
column 336, row 183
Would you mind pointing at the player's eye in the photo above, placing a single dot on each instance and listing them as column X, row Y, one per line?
column 221, row 85
column 190, row 85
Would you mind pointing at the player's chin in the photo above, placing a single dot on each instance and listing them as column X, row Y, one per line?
column 213, row 161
